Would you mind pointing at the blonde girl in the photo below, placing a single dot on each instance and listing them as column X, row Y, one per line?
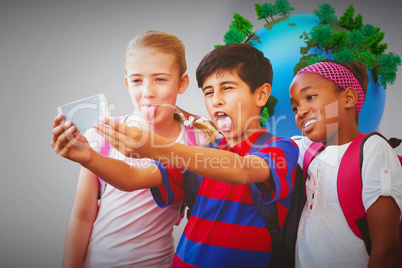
column 128, row 229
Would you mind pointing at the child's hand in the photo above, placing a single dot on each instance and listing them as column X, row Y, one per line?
column 69, row 142
column 130, row 141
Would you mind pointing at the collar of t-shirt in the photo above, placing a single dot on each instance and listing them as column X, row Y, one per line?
column 243, row 147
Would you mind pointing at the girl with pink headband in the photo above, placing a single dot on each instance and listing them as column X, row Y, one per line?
column 326, row 98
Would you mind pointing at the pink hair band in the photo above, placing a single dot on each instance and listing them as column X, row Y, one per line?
column 339, row 75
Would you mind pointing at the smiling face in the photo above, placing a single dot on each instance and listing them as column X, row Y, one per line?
column 153, row 80
column 317, row 107
column 232, row 106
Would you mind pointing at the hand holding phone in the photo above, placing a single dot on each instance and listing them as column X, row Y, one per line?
column 84, row 112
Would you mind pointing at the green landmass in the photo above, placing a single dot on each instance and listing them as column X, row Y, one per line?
column 254, row 37
column 303, row 62
column 270, row 24
column 345, row 39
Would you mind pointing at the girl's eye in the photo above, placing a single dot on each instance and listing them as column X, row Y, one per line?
column 136, row 81
column 310, row 97
column 159, row 79
column 227, row 88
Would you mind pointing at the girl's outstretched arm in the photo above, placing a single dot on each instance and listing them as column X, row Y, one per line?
column 82, row 217
column 72, row 145
column 221, row 165
column 383, row 221
column 123, row 176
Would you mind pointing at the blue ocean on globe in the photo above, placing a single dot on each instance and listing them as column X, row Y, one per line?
column 281, row 45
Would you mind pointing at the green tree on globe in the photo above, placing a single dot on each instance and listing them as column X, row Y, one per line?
column 293, row 41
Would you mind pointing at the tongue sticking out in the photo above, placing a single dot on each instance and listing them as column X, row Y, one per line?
column 148, row 112
column 225, row 123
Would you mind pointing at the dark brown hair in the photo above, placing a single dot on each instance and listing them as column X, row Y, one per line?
column 249, row 63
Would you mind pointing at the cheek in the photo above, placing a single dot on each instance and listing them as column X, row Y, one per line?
column 166, row 97
column 208, row 105
column 298, row 122
column 331, row 111
column 135, row 96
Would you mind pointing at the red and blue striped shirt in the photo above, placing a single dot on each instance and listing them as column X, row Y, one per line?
column 225, row 228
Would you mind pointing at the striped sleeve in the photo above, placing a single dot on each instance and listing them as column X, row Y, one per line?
column 172, row 191
column 281, row 155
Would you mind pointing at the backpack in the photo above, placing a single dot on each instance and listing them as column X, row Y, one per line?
column 283, row 240
column 349, row 185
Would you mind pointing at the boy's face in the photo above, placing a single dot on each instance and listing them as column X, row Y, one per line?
column 315, row 102
column 231, row 105
column 153, row 81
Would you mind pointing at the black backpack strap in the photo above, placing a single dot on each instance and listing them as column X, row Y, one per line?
column 283, row 243
column 364, row 230
column 395, row 142
column 268, row 211
column 280, row 248
column 283, row 253
column 295, row 210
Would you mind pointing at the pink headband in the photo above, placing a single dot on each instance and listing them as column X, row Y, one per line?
column 339, row 75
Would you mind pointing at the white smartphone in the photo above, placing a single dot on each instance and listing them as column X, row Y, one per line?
column 83, row 113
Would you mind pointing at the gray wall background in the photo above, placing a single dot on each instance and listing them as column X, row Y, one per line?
column 53, row 52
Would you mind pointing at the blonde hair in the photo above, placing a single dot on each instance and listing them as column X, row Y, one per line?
column 200, row 123
column 161, row 41
column 168, row 43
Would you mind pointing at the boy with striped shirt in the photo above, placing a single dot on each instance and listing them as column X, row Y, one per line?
column 225, row 228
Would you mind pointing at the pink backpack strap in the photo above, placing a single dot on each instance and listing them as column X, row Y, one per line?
column 310, row 154
column 350, row 189
column 190, row 135
column 105, row 150
column 349, row 184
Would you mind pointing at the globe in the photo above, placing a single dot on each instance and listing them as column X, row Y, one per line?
column 281, row 45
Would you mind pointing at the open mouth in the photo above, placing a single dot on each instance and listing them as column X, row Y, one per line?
column 224, row 122
column 221, row 115
column 308, row 125
column 149, row 111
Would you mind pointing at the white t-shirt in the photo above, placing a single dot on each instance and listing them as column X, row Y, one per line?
column 324, row 237
column 130, row 230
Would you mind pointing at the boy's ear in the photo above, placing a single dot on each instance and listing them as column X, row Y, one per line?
column 184, row 81
column 262, row 94
column 350, row 97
